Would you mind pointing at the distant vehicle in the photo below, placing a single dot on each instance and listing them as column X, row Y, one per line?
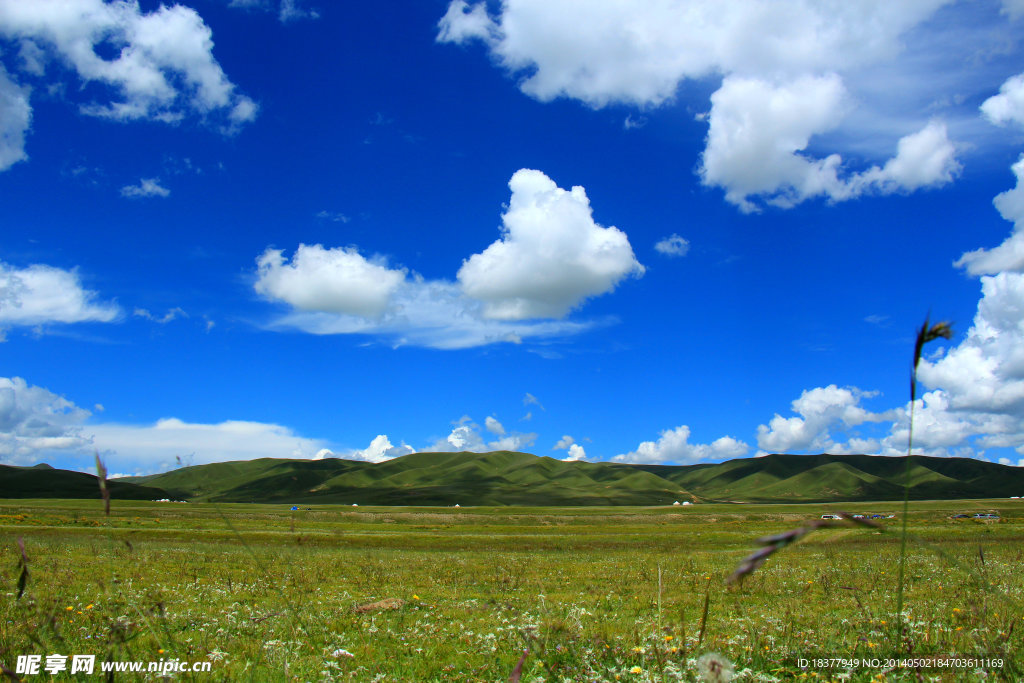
column 876, row 516
column 960, row 516
column 858, row 516
column 831, row 517
column 986, row 515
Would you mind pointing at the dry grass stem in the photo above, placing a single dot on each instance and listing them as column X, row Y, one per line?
column 776, row 542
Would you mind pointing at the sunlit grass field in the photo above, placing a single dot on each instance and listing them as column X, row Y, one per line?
column 443, row 594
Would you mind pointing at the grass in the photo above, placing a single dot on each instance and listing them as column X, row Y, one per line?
column 593, row 594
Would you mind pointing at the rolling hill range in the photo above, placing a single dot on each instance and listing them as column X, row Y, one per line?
column 498, row 478
column 508, row 478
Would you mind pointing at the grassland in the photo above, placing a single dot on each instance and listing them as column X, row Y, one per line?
column 594, row 594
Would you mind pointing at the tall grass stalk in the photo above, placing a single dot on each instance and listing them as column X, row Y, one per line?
column 924, row 335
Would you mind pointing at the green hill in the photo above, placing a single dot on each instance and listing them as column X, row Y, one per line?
column 497, row 478
column 820, row 478
column 43, row 481
column 509, row 478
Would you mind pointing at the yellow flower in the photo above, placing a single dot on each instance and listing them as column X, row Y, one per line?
column 89, row 606
column 668, row 638
column 160, row 651
column 416, row 597
column 69, row 608
column 636, row 670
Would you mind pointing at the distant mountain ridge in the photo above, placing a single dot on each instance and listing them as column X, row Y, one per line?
column 511, row 478
column 43, row 481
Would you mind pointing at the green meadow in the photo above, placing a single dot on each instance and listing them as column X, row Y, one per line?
column 333, row 592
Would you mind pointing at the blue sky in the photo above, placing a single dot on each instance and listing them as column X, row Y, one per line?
column 648, row 232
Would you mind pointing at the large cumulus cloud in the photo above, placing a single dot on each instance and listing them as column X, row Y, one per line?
column 785, row 69
column 551, row 257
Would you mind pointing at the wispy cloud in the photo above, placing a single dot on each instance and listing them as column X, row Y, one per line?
column 147, row 187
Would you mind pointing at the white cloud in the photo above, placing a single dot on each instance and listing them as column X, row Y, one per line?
column 15, row 120
column 673, row 446
column 673, row 245
column 33, row 58
column 167, row 317
column 291, row 10
column 466, row 437
column 514, row 441
column 1013, row 9
column 552, row 255
column 164, row 67
column 985, row 372
column 39, row 294
column 287, row 10
column 563, row 443
column 36, row 424
column 158, row 447
column 462, row 22
column 1008, row 256
column 937, row 428
column 493, row 426
column 630, row 123
column 783, row 66
column 975, row 401
column 757, row 131
column 435, row 314
column 530, row 399
column 147, row 187
column 819, row 411
column 34, row 421
column 760, row 131
column 622, row 52
column 332, row 216
column 576, row 454
column 1008, row 105
column 926, row 158
column 380, row 449
column 328, row 280
column 576, row 451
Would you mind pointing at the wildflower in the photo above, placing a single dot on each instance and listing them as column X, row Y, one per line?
column 636, row 670
column 69, row 608
column 160, row 651
column 668, row 638
column 342, row 653
column 714, row 668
